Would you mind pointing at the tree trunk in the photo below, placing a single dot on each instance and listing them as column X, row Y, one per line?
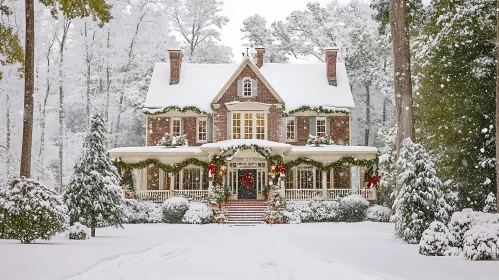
column 402, row 71
column 497, row 104
column 92, row 232
column 368, row 116
column 29, row 84
column 65, row 30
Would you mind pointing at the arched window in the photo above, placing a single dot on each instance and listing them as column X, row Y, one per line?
column 247, row 87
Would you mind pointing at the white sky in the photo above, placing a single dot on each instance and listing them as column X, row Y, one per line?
column 271, row 10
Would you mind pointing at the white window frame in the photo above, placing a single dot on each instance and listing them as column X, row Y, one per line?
column 198, row 132
column 254, row 126
column 294, row 129
column 317, row 127
column 172, row 120
column 247, row 79
column 194, row 185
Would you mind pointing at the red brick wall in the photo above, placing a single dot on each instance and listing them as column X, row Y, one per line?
column 303, row 131
column 340, row 130
column 190, row 130
column 157, row 127
column 274, row 118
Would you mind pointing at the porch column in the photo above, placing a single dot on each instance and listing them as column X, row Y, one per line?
column 324, row 185
column 172, row 181
column 355, row 178
column 282, row 186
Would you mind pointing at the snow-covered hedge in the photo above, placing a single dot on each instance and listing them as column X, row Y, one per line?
column 435, row 240
column 378, row 213
column 78, row 232
column 310, row 211
column 481, row 242
column 352, row 208
column 174, row 209
column 141, row 212
column 31, row 211
column 198, row 213
column 490, row 204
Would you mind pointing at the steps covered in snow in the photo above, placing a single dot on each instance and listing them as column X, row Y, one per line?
column 245, row 212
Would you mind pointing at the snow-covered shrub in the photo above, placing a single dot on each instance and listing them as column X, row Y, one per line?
column 301, row 209
column 141, row 212
column 319, row 141
column 174, row 209
column 31, row 211
column 217, row 195
column 290, row 217
column 198, row 213
column 352, row 208
column 378, row 213
column 78, row 232
column 463, row 221
column 220, row 216
column 420, row 200
column 275, row 206
column 387, row 166
column 481, row 242
column 436, row 240
column 173, row 141
column 311, row 211
column 490, row 204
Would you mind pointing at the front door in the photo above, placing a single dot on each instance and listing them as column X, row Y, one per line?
column 245, row 190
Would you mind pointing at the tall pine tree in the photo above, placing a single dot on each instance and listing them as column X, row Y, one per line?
column 93, row 196
column 420, row 200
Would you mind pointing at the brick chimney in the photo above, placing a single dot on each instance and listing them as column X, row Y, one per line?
column 259, row 56
column 331, row 54
column 175, row 65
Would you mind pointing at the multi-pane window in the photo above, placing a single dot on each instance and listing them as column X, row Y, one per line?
column 260, row 126
column 321, row 127
column 176, row 127
column 236, row 125
column 290, row 129
column 191, row 178
column 305, row 178
column 202, row 130
column 289, row 179
column 247, row 87
column 249, row 125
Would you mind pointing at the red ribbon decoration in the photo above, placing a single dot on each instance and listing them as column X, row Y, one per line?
column 212, row 169
column 281, row 169
column 371, row 181
column 247, row 180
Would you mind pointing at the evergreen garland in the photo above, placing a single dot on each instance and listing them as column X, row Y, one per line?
column 179, row 109
column 319, row 110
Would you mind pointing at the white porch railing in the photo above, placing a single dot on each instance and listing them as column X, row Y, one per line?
column 336, row 194
column 195, row 195
column 369, row 194
column 155, row 196
column 303, row 194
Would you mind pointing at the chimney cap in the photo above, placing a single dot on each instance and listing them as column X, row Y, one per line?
column 331, row 49
column 259, row 48
column 174, row 50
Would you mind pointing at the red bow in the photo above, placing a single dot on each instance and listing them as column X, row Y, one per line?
column 212, row 168
column 281, row 169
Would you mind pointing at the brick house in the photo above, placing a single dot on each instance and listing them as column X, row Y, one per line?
column 223, row 107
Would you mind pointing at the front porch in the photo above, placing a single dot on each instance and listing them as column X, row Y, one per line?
column 328, row 172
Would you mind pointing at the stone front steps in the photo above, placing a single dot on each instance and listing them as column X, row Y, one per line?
column 245, row 212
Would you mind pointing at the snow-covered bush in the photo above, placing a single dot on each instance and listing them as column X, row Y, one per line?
column 463, row 221
column 173, row 141
column 420, row 200
column 174, row 209
column 141, row 212
column 93, row 195
column 490, row 204
column 436, row 240
column 198, row 213
column 290, row 217
column 311, row 211
column 78, row 232
column 31, row 211
column 481, row 242
column 301, row 209
column 352, row 208
column 275, row 206
column 378, row 213
column 220, row 216
column 217, row 195
column 319, row 141
column 387, row 166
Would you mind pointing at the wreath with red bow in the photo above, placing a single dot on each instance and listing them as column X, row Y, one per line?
column 371, row 180
column 212, row 169
column 281, row 169
column 247, row 180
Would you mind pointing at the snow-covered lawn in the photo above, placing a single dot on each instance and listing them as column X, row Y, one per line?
column 304, row 251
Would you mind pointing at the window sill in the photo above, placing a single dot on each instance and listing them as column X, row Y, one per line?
column 291, row 141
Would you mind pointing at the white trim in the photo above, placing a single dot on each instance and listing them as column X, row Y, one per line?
column 244, row 80
column 325, row 125
column 254, row 126
column 248, row 106
column 286, row 129
column 171, row 125
column 205, row 119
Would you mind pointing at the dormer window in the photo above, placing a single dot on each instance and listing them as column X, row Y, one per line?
column 247, row 86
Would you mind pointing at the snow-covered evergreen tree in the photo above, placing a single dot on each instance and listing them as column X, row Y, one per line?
column 420, row 200
column 490, row 204
column 93, row 196
column 30, row 211
column 387, row 166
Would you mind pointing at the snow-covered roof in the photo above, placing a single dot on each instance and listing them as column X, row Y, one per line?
column 200, row 83
column 335, row 149
column 239, row 142
column 156, row 149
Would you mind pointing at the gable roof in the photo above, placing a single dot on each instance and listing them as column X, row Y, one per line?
column 297, row 84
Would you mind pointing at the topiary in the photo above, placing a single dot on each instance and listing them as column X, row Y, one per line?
column 352, row 208
column 174, row 209
column 78, row 232
column 31, row 211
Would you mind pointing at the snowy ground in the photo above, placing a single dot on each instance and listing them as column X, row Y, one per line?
column 307, row 251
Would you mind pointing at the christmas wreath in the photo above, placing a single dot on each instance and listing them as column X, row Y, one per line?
column 247, row 180
column 371, row 180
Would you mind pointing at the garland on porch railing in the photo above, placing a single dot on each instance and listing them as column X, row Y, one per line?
column 217, row 161
column 320, row 110
column 179, row 109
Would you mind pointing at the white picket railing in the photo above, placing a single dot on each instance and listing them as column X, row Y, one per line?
column 154, row 196
column 303, row 194
column 335, row 194
column 195, row 195
column 369, row 194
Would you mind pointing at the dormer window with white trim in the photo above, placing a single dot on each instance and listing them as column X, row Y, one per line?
column 247, row 87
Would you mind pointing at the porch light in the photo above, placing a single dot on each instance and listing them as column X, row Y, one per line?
column 272, row 167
